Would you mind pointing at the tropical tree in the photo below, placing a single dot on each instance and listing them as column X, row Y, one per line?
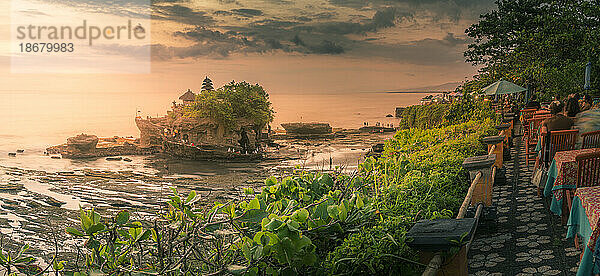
column 543, row 43
column 231, row 103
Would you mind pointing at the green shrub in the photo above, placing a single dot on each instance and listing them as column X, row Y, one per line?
column 420, row 176
column 423, row 116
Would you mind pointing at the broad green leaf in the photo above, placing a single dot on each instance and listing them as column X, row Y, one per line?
column 190, row 197
column 274, row 224
column 24, row 260
column 309, row 258
column 95, row 228
column 300, row 215
column 326, row 180
column 122, row 217
column 264, row 222
column 302, row 242
column 359, row 202
column 74, row 232
column 86, row 222
column 271, row 181
column 58, row 266
column 343, row 212
column 254, row 204
column 333, row 211
column 293, row 226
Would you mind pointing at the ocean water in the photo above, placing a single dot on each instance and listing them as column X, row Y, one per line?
column 34, row 121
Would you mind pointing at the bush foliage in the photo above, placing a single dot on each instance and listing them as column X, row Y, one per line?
column 232, row 103
column 436, row 115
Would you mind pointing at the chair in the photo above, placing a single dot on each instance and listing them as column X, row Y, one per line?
column 588, row 169
column 558, row 140
column 590, row 140
column 531, row 137
column 588, row 175
column 542, row 112
column 526, row 114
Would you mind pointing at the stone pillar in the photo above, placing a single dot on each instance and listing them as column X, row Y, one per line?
column 483, row 189
column 490, row 141
column 511, row 121
column 505, row 127
column 430, row 237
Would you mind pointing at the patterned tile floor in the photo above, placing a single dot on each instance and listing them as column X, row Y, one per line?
column 526, row 238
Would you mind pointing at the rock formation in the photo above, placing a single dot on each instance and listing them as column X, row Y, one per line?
column 199, row 138
column 307, row 129
column 82, row 142
column 90, row 146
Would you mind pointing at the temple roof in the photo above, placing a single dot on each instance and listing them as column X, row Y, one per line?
column 188, row 96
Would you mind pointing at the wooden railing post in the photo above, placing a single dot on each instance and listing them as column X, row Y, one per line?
column 505, row 127
column 496, row 147
column 483, row 190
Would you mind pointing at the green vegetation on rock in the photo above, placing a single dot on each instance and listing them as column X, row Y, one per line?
column 233, row 103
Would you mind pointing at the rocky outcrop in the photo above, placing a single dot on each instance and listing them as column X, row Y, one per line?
column 90, row 146
column 82, row 142
column 307, row 129
column 208, row 152
column 151, row 131
column 377, row 129
column 199, row 138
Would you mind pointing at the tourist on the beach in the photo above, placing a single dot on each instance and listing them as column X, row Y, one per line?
column 244, row 141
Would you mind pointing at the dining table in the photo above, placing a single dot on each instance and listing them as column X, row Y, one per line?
column 583, row 221
column 562, row 176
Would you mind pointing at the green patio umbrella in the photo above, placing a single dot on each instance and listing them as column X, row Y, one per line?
column 503, row 87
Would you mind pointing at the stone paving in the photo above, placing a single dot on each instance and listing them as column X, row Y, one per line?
column 526, row 239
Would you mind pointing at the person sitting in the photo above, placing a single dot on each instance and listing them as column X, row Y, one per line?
column 555, row 100
column 572, row 107
column 587, row 103
column 558, row 121
column 533, row 103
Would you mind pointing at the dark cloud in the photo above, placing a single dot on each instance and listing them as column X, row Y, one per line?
column 439, row 9
column 182, row 14
column 327, row 47
column 382, row 19
column 320, row 29
column 247, row 12
column 452, row 40
column 420, row 52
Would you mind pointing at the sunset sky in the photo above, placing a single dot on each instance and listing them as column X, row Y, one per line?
column 305, row 46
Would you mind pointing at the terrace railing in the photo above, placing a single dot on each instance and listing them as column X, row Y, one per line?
column 480, row 184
